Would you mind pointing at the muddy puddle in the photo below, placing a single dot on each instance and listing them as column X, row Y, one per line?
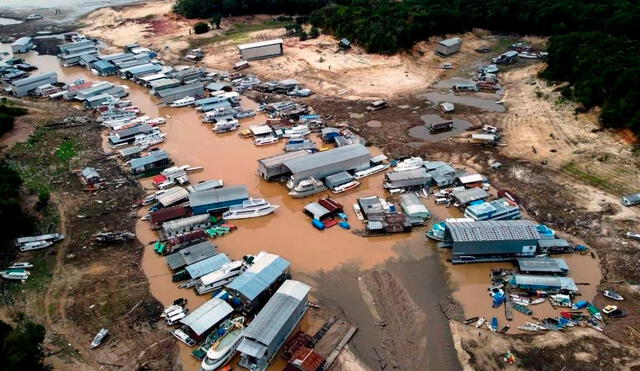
column 422, row 131
column 331, row 260
column 467, row 100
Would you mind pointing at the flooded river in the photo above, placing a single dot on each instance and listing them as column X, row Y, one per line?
column 330, row 260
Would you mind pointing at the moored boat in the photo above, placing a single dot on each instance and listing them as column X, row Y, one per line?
column 345, row 187
column 410, row 163
column 216, row 279
column 21, row 265
column 223, row 350
column 306, row 187
column 522, row 309
column 266, row 141
column 537, row 301
column 186, row 101
column 370, row 171
column 15, row 274
column 251, row 208
column 358, row 211
column 471, row 320
column 480, row 322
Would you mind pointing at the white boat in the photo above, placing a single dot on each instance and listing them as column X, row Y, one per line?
column 183, row 337
column 297, row 131
column 21, row 265
column 266, row 141
column 33, row 17
column 345, row 187
column 358, row 211
column 612, row 295
column 17, row 274
column 529, row 328
column 410, row 163
column 155, row 121
column 219, row 278
column 370, row 171
column 223, row 350
column 537, row 301
column 149, row 139
column 251, row 208
column 306, row 187
column 480, row 322
column 186, row 101
column 226, row 125
column 37, row 245
column 99, row 338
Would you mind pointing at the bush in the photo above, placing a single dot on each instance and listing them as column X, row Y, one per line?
column 215, row 20
column 200, row 28
column 6, row 123
column 43, row 199
column 20, row 346
column 302, row 35
column 314, row 32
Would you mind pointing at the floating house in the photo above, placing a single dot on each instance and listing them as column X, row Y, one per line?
column 150, row 164
column 201, row 321
column 414, row 208
column 466, row 196
column 500, row 209
column 319, row 165
column 168, row 213
column 542, row 266
column 159, row 85
column 172, row 196
column 185, row 225
column 416, row 178
column 206, row 266
column 191, row 255
column 446, row 47
column 271, row 168
column 171, row 95
column 23, row 87
column 266, row 334
column 543, row 283
column 22, row 45
column 254, row 286
column 491, row 240
column 129, row 134
column 217, row 200
column 261, row 50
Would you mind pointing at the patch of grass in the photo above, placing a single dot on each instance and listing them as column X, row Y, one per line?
column 66, row 151
column 40, row 274
column 588, row 177
column 61, row 342
column 238, row 33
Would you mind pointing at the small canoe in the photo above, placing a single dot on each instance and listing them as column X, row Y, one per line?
column 537, row 301
column 318, row 224
column 612, row 295
column 494, row 324
column 522, row 309
column 480, row 322
column 471, row 320
column 504, row 329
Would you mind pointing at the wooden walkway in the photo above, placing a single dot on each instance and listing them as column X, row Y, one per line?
column 334, row 354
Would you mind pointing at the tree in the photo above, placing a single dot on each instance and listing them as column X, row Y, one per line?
column 314, row 32
column 302, row 35
column 215, row 20
column 200, row 28
column 20, row 346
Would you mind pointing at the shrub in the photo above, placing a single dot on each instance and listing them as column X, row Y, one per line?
column 200, row 28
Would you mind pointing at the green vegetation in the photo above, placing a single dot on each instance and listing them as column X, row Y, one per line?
column 238, row 33
column 66, row 151
column 207, row 8
column 589, row 178
column 215, row 20
column 20, row 346
column 14, row 220
column 200, row 28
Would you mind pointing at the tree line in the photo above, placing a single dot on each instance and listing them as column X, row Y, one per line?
column 594, row 43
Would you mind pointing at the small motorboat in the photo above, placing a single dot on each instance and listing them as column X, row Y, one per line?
column 15, row 274
column 370, row 171
column 471, row 320
column 489, row 326
column 612, row 295
column 358, row 212
column 522, row 309
column 494, row 324
column 537, row 301
column 480, row 322
column 21, row 265
column 529, row 327
column 33, row 17
column 266, row 141
column 504, row 329
column 609, row 309
column 345, row 187
column 99, row 338
column 410, row 163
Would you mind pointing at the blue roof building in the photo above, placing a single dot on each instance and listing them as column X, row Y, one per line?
column 207, row 265
column 104, row 68
column 216, row 200
column 255, row 285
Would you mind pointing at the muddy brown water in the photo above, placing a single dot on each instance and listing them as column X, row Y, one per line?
column 330, row 259
column 422, row 131
column 467, row 100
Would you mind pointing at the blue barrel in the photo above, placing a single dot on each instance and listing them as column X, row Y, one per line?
column 318, row 224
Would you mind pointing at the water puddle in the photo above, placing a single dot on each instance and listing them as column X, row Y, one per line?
column 374, row 124
column 484, row 104
column 422, row 131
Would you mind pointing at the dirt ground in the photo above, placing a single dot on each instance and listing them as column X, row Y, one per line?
column 86, row 285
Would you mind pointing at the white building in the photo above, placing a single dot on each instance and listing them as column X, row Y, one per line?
column 262, row 49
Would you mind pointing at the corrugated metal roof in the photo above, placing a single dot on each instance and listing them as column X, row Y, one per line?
column 207, row 265
column 278, row 160
column 553, row 242
column 180, row 89
column 34, row 79
column 212, row 196
column 168, row 213
column 163, row 82
column 262, row 331
column 338, row 179
column 321, row 159
column 131, row 150
column 172, row 225
column 471, row 178
column 23, row 41
column 499, row 230
column 264, row 271
column 103, row 65
column 149, row 159
column 395, row 176
column 471, row 194
column 172, row 195
column 451, row 42
column 564, row 283
column 317, row 210
column 89, row 172
column 548, row 265
column 260, row 129
column 191, row 254
column 260, row 43
column 207, row 315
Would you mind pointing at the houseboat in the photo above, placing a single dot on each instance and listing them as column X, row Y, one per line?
column 345, row 187
column 306, row 187
column 297, row 131
column 266, row 141
column 251, row 208
column 370, row 171
column 226, row 125
column 216, row 279
column 500, row 209
column 186, row 101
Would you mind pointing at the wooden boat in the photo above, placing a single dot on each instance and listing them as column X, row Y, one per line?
column 504, row 329
column 494, row 324
column 528, row 327
column 480, row 322
column 594, row 311
column 358, row 212
column 522, row 309
column 193, row 169
column 471, row 320
column 345, row 187
column 612, row 295
column 489, row 326
column 99, row 338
